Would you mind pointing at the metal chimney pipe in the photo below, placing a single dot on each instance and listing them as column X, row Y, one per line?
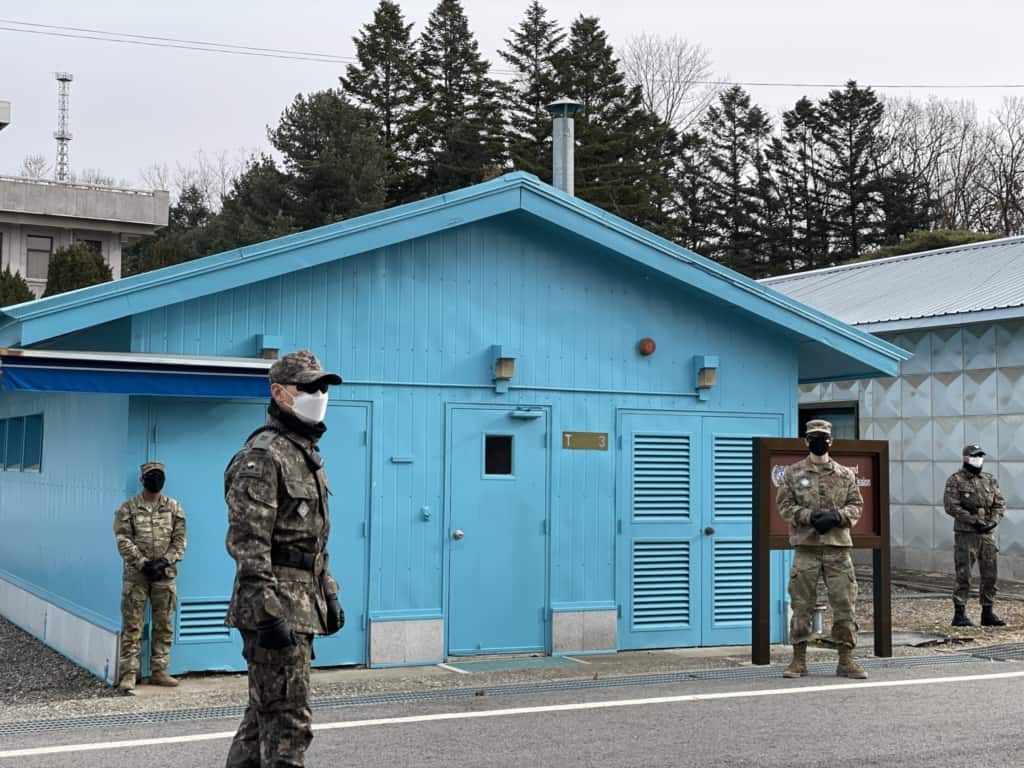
column 563, row 136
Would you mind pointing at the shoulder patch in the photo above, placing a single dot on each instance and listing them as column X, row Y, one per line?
column 263, row 440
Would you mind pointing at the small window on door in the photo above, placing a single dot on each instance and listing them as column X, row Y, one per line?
column 498, row 454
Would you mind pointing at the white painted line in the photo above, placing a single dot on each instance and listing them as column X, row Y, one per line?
column 450, row 668
column 578, row 661
column 580, row 706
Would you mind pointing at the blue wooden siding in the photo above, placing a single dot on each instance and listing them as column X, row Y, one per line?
column 411, row 327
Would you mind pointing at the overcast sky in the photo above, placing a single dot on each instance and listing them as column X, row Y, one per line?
column 132, row 106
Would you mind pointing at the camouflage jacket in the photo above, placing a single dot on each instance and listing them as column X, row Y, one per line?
column 275, row 500
column 148, row 531
column 970, row 498
column 806, row 488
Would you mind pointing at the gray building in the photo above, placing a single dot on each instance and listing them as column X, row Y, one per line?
column 961, row 312
column 37, row 217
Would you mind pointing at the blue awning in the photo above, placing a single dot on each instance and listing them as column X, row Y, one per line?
column 128, row 374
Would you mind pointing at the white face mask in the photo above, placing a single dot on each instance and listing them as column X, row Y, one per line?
column 976, row 461
column 310, row 408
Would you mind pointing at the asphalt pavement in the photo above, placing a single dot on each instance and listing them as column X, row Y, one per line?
column 949, row 714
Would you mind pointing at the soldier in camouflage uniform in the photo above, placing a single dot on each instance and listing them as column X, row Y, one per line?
column 278, row 523
column 820, row 500
column 973, row 499
column 150, row 533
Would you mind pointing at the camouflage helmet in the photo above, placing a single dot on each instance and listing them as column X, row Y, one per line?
column 819, row 425
column 150, row 466
column 300, row 367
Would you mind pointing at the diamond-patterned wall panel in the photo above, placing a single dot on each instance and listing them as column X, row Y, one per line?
column 885, row 398
column 846, row 391
column 918, row 343
column 948, row 394
column 980, row 392
column 918, row 485
column 1010, row 343
column 943, row 470
column 1011, row 438
column 979, row 346
column 947, row 350
column 895, row 482
column 890, row 430
column 896, row 525
column 947, row 437
column 942, row 533
column 1010, row 534
column 1011, row 482
column 1010, row 389
column 916, row 396
column 917, row 527
column 982, row 430
column 810, row 393
column 917, row 440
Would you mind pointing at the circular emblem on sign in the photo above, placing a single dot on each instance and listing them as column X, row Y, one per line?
column 777, row 472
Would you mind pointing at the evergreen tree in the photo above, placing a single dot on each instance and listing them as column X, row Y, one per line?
column 13, row 288
column 170, row 245
column 906, row 206
column 850, row 121
column 75, row 266
column 691, row 223
column 384, row 81
column 458, row 129
column 737, row 134
column 531, row 52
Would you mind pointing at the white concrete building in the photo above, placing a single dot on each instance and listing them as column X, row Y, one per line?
column 37, row 217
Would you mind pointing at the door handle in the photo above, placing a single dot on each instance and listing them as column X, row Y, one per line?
column 709, row 531
column 457, row 534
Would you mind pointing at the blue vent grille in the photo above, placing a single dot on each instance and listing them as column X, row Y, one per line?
column 733, row 479
column 202, row 621
column 732, row 579
column 661, row 476
column 661, row 583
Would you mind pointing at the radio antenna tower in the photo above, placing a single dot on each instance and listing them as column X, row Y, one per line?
column 63, row 132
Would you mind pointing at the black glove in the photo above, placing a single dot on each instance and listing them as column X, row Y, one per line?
column 151, row 570
column 274, row 634
column 335, row 615
column 983, row 527
column 824, row 522
column 160, row 568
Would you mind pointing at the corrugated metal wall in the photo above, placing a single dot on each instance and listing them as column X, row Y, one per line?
column 963, row 384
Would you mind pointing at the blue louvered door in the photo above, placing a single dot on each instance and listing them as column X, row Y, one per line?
column 659, row 531
column 725, row 592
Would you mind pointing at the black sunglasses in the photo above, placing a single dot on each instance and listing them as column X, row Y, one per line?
column 312, row 386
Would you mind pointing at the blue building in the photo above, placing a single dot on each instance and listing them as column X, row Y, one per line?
column 513, row 470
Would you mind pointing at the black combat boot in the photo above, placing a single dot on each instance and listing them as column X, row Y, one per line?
column 989, row 619
column 960, row 616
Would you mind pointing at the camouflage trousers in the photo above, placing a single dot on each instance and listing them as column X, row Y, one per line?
column 834, row 565
column 968, row 548
column 163, row 597
column 277, row 725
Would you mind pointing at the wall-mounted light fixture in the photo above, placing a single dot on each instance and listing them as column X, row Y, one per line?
column 503, row 367
column 647, row 346
column 268, row 347
column 706, row 367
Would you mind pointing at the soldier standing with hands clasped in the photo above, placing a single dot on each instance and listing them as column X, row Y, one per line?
column 278, row 523
column 973, row 499
column 820, row 500
column 150, row 533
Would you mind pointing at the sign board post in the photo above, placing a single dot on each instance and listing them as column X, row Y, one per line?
column 869, row 459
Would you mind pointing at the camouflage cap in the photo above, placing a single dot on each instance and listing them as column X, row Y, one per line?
column 819, row 425
column 300, row 367
column 149, row 466
column 972, row 449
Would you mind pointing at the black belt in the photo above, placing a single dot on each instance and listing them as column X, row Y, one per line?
column 291, row 557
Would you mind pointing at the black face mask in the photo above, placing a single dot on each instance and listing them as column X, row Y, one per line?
column 153, row 481
column 972, row 469
column 818, row 445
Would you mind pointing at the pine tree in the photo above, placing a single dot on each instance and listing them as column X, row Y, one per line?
column 459, row 132
column 75, row 266
column 531, row 52
column 690, row 219
column 850, row 121
column 13, row 288
column 384, row 81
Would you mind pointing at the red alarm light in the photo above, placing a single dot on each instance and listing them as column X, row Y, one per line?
column 647, row 346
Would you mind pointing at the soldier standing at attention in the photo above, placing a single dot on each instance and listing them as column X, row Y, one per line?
column 973, row 499
column 278, row 523
column 150, row 533
column 820, row 500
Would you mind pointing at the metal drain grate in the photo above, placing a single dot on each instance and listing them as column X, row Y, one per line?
column 1007, row 652
column 513, row 689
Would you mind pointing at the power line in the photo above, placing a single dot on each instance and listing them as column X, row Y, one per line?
column 155, row 41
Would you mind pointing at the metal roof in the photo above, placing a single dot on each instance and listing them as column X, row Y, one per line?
column 949, row 286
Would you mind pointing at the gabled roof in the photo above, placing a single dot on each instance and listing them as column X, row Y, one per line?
column 831, row 348
column 949, row 286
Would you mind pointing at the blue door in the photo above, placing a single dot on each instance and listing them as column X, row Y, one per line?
column 497, row 530
column 196, row 439
column 659, row 487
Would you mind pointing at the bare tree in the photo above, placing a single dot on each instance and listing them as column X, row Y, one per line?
column 36, row 167
column 156, row 176
column 961, row 201
column 211, row 174
column 674, row 75
column 1004, row 182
